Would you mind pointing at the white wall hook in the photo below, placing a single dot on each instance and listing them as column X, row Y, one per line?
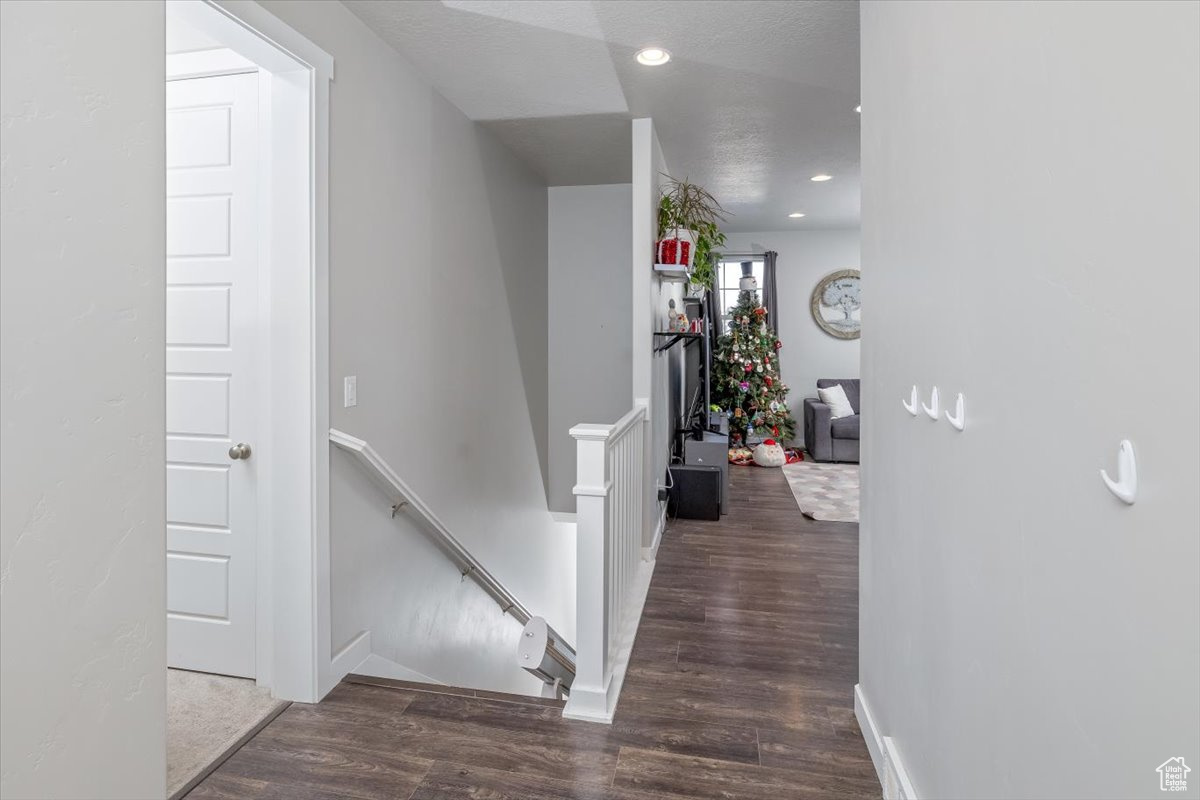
column 958, row 419
column 1126, row 484
column 913, row 402
column 932, row 409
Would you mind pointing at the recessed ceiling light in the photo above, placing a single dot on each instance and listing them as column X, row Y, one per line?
column 797, row 215
column 858, row 109
column 653, row 56
column 821, row 178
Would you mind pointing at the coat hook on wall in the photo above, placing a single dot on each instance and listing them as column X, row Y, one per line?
column 1126, row 485
column 913, row 402
column 959, row 418
column 932, row 410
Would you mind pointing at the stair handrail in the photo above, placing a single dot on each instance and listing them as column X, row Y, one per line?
column 387, row 479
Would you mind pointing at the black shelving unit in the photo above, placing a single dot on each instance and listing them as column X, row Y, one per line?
column 673, row 338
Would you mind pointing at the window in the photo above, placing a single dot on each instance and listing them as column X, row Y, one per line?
column 729, row 273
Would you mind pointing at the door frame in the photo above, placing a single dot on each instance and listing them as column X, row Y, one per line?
column 293, row 637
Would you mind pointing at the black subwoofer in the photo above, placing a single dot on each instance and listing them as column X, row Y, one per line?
column 695, row 493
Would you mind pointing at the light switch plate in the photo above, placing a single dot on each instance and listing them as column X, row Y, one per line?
column 351, row 391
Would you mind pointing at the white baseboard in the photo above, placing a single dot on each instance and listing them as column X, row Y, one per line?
column 651, row 552
column 349, row 657
column 893, row 777
column 376, row 666
column 896, row 785
column 357, row 657
column 866, row 723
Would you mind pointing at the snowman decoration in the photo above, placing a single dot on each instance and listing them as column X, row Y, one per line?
column 748, row 283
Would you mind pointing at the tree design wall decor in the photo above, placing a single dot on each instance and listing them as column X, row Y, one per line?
column 836, row 305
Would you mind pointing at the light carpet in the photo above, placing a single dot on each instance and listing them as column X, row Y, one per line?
column 826, row 492
column 209, row 717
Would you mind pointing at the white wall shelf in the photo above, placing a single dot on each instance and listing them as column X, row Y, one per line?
column 672, row 273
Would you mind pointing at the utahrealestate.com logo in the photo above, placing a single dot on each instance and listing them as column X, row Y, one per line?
column 1172, row 775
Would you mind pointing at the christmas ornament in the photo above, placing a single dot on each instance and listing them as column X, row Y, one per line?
column 745, row 387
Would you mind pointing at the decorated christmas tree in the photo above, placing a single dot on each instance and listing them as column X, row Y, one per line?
column 746, row 379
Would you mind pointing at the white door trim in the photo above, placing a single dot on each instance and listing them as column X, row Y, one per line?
column 294, row 636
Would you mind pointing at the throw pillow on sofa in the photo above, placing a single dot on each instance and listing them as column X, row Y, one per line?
column 835, row 398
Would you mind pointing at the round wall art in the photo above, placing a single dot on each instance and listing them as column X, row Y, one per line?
column 836, row 305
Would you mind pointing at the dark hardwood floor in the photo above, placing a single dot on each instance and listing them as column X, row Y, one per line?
column 740, row 686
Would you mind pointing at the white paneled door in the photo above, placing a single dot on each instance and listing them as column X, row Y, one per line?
column 212, row 329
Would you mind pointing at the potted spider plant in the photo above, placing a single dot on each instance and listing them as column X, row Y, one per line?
column 688, row 231
column 708, row 239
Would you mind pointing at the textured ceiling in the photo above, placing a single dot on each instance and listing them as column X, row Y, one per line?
column 757, row 98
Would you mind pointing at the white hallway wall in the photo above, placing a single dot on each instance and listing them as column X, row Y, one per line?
column 804, row 258
column 438, row 305
column 82, row 530
column 653, row 372
column 1031, row 189
column 590, row 344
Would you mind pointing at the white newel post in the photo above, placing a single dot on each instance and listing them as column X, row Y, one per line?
column 589, row 692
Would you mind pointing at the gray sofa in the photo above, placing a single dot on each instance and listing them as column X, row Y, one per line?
column 836, row 439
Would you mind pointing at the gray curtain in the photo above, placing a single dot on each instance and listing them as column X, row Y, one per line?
column 769, row 291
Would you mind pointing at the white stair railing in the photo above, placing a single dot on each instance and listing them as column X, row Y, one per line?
column 610, row 577
column 404, row 499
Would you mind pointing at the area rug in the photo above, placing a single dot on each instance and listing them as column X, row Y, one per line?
column 208, row 718
column 827, row 492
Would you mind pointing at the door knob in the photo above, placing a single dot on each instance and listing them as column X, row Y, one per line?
column 239, row 450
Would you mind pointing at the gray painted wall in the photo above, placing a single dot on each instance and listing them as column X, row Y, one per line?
column 666, row 368
column 808, row 352
column 82, row 523
column 1031, row 192
column 438, row 304
column 590, row 339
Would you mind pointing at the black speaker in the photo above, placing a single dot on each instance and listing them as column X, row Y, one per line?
column 695, row 492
